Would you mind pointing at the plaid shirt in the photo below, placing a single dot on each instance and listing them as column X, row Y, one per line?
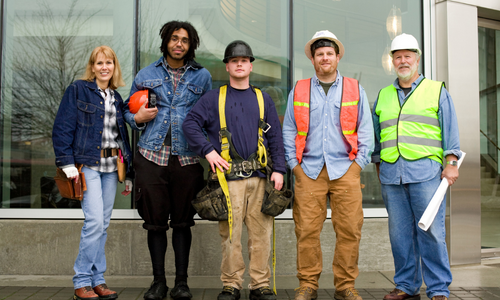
column 110, row 132
column 161, row 157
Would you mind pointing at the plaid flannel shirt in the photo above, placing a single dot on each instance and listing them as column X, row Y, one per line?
column 110, row 132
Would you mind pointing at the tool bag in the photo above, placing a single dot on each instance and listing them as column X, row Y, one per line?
column 210, row 202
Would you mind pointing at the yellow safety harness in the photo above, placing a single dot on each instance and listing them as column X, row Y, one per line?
column 224, row 136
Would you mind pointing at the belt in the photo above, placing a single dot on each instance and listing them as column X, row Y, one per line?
column 109, row 152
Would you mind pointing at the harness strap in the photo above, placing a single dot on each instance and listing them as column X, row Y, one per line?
column 227, row 145
column 225, row 155
column 261, row 150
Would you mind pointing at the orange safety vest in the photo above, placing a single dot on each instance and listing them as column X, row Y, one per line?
column 348, row 114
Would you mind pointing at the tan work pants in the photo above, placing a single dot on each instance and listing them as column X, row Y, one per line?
column 309, row 214
column 246, row 200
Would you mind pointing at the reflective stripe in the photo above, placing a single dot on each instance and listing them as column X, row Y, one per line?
column 419, row 119
column 389, row 144
column 420, row 141
column 350, row 103
column 348, row 131
column 297, row 103
column 411, row 140
column 388, row 123
column 302, row 133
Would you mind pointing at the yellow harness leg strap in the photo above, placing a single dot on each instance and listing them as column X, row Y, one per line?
column 225, row 155
column 261, row 156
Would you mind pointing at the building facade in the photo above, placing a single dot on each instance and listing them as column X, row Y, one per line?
column 45, row 45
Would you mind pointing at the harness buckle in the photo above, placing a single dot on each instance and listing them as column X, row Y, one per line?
column 265, row 130
column 247, row 166
column 264, row 126
column 240, row 174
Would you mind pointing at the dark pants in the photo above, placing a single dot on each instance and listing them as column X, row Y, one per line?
column 164, row 193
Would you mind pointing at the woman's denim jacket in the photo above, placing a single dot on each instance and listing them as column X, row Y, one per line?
column 172, row 108
column 78, row 127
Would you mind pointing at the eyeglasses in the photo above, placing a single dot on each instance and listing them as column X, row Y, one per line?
column 175, row 39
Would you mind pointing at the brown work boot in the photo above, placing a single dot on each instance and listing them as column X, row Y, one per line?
column 85, row 293
column 104, row 292
column 440, row 297
column 347, row 294
column 398, row 294
column 305, row 293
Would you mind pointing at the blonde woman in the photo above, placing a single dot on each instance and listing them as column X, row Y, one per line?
column 89, row 129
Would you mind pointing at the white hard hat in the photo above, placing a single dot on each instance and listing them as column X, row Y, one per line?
column 405, row 42
column 326, row 35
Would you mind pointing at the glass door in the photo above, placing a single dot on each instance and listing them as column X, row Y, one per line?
column 489, row 86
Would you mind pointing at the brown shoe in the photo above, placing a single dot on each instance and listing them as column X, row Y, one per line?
column 440, row 297
column 305, row 293
column 85, row 293
column 104, row 292
column 347, row 294
column 398, row 294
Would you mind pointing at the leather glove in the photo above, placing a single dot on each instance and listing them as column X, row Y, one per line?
column 128, row 185
column 71, row 172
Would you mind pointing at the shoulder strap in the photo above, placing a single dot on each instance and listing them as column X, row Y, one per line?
column 223, row 127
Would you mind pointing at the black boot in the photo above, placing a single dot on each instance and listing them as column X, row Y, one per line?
column 181, row 291
column 262, row 293
column 229, row 293
column 157, row 291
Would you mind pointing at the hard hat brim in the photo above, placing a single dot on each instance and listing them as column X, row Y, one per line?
column 226, row 59
column 413, row 50
column 307, row 48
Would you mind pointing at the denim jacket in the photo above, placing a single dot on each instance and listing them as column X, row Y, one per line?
column 172, row 108
column 78, row 127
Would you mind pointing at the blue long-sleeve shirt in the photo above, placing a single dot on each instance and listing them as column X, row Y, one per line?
column 325, row 144
column 242, row 120
column 404, row 171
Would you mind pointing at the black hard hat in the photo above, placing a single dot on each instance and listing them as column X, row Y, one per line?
column 238, row 48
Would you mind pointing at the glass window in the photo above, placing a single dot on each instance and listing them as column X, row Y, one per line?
column 45, row 47
column 366, row 29
column 489, row 87
column 263, row 24
column 46, row 44
column 260, row 23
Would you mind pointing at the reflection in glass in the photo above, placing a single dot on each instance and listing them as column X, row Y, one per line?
column 387, row 61
column 489, row 96
column 46, row 43
column 46, row 46
column 393, row 23
column 363, row 32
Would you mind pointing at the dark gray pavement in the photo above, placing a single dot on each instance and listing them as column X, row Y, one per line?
column 469, row 282
column 60, row 293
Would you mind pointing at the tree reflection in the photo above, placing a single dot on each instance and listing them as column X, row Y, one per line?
column 49, row 49
column 49, row 54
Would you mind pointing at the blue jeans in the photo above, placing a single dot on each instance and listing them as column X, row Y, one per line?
column 97, row 205
column 417, row 252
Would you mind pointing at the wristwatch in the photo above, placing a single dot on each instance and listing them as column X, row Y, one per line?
column 452, row 162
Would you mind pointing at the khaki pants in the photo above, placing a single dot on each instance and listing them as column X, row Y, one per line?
column 309, row 214
column 246, row 201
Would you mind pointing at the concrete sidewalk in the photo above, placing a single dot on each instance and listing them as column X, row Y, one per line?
column 469, row 282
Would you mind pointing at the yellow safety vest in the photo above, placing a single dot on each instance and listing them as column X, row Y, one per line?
column 410, row 130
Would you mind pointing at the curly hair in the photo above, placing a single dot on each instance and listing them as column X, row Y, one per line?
column 166, row 33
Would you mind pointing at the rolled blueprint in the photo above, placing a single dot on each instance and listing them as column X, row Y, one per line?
column 433, row 207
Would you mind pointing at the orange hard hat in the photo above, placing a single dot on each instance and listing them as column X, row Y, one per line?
column 137, row 100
